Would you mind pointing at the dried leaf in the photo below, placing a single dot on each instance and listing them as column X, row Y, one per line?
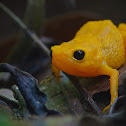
column 34, row 98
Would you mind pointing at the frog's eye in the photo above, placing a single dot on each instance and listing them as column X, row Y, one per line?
column 79, row 54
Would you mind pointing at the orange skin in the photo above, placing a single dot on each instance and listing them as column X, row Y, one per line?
column 104, row 47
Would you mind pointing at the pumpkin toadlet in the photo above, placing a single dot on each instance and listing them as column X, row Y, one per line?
column 98, row 48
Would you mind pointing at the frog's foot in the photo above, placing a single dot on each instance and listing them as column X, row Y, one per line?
column 56, row 72
column 106, row 108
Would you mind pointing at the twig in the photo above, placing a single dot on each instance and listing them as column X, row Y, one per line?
column 73, row 101
column 27, row 30
column 12, row 15
column 94, row 105
column 11, row 103
column 83, row 91
column 113, row 106
column 19, row 97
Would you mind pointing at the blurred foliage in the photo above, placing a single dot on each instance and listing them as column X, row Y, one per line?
column 34, row 19
column 5, row 120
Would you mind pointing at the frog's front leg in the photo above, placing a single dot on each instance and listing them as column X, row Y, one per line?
column 113, row 73
column 56, row 72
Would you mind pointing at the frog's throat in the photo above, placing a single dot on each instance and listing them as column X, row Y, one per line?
column 56, row 72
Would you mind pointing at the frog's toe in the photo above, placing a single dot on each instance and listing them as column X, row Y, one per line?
column 106, row 108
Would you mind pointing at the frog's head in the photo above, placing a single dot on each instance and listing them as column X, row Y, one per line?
column 81, row 56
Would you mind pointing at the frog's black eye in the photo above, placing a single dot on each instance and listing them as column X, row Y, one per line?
column 79, row 54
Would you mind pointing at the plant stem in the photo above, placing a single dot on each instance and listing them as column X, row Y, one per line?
column 27, row 30
column 13, row 16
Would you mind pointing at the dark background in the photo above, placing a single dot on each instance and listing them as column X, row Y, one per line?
column 101, row 9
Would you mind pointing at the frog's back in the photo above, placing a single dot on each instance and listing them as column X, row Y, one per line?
column 108, row 34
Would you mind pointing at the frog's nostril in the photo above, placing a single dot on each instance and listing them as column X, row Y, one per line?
column 51, row 53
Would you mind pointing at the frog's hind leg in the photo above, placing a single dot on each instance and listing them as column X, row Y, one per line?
column 113, row 73
column 122, row 29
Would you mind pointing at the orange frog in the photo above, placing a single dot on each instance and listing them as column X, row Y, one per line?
column 98, row 48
